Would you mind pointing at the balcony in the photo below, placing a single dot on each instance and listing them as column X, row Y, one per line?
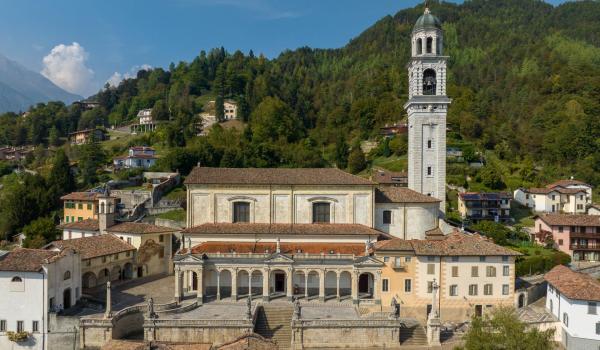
column 585, row 235
column 585, row 247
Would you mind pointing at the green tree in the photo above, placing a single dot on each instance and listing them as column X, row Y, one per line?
column 341, row 152
column 160, row 111
column 61, row 178
column 53, row 138
column 40, row 232
column 356, row 160
column 91, row 158
column 273, row 120
column 502, row 329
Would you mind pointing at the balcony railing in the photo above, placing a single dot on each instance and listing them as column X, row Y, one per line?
column 585, row 246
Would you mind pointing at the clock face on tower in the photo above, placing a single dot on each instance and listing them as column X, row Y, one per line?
column 426, row 108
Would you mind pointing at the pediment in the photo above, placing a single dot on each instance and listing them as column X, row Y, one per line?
column 368, row 261
column 279, row 258
column 188, row 258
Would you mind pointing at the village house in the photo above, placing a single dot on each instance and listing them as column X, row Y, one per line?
column 33, row 283
column 137, row 157
column 230, row 109
column 81, row 137
column 573, row 298
column 152, row 243
column 79, row 206
column 575, row 234
column 493, row 206
column 86, row 105
column 387, row 178
column 146, row 122
column 564, row 196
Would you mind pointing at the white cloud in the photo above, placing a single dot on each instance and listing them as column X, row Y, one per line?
column 117, row 77
column 65, row 66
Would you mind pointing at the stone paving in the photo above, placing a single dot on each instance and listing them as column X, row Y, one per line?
column 124, row 294
column 326, row 313
column 212, row 311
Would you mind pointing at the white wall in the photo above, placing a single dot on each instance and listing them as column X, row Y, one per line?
column 409, row 221
column 581, row 324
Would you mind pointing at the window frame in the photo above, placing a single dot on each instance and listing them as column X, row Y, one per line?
column 35, row 326
column 385, row 285
column 453, row 290
column 592, row 308
column 240, row 212
column 473, row 290
column 319, row 217
column 386, row 217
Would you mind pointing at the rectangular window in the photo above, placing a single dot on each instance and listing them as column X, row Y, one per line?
column 397, row 263
column 321, row 213
column 455, row 259
column 454, row 271
column 103, row 259
column 161, row 238
column 129, row 240
column 431, row 258
column 592, row 308
column 241, row 212
column 79, row 205
column 386, row 258
column 407, row 259
column 429, row 170
column 472, row 289
column 560, row 242
column 505, row 258
column 453, row 290
column 474, row 271
column 482, row 258
column 20, row 326
column 2, row 325
column 407, row 286
column 430, row 269
column 117, row 256
column 387, row 217
column 35, row 326
column 66, row 219
column 385, row 285
column 597, row 327
column 487, row 289
column 505, row 289
column 560, row 229
column 428, row 143
column 79, row 218
column 490, row 271
column 506, row 270
column 429, row 286
column 89, row 206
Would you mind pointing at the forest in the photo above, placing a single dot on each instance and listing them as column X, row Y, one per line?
column 524, row 77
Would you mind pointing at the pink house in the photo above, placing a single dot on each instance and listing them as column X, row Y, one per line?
column 576, row 235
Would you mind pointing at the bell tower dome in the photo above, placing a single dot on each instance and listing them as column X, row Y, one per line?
column 427, row 108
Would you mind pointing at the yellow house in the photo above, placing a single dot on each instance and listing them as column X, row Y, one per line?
column 473, row 275
column 79, row 206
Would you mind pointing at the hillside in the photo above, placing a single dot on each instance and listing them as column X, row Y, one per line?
column 524, row 77
column 20, row 88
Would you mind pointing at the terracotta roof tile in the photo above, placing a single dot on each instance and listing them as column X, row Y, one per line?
column 286, row 248
column 94, row 246
column 570, row 219
column 139, row 228
column 574, row 285
column 26, row 260
column 566, row 183
column 401, row 195
column 85, row 225
column 81, row 196
column 454, row 244
column 390, row 177
column 545, row 190
column 273, row 176
column 284, row 229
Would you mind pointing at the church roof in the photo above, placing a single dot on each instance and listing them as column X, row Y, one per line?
column 286, row 248
column 284, row 229
column 401, row 195
column 94, row 246
column 26, row 260
column 427, row 21
column 273, row 176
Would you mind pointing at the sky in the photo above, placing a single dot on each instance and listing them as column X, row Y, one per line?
column 80, row 44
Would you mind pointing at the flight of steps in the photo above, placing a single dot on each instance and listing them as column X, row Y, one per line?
column 413, row 336
column 274, row 322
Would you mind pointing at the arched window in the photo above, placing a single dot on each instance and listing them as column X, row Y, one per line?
column 429, row 45
column 16, row 279
column 321, row 212
column 419, row 46
column 429, row 82
column 241, row 212
column 67, row 275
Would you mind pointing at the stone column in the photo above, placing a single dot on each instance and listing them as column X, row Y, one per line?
column 377, row 287
column 266, row 291
column 218, row 285
column 305, row 285
column 322, row 286
column 200, row 284
column 289, row 284
column 354, row 287
column 234, row 284
column 178, row 291
column 108, row 312
column 434, row 324
column 337, row 287
column 250, row 284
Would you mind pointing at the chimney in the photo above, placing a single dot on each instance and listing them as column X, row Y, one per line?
column 106, row 213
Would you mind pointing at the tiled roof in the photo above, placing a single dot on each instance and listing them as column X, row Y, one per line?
column 574, row 285
column 139, row 228
column 273, row 176
column 84, row 225
column 81, row 196
column 284, row 229
column 390, row 177
column 545, row 190
column 454, row 244
column 94, row 246
column 26, row 260
column 401, row 195
column 570, row 219
column 566, row 183
column 286, row 248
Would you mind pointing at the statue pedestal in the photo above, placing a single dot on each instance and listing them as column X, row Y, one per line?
column 434, row 326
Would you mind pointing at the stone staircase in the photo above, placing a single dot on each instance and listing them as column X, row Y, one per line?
column 413, row 336
column 274, row 322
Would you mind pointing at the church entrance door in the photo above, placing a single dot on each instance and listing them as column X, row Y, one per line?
column 279, row 282
column 67, row 298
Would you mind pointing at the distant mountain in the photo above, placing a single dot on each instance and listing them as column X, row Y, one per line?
column 21, row 88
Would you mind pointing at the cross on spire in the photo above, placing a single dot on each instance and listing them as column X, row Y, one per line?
column 426, row 6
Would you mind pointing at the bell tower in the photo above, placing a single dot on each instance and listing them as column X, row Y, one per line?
column 427, row 108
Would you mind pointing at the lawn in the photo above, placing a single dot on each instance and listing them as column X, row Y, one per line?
column 392, row 163
column 175, row 194
column 522, row 214
column 175, row 215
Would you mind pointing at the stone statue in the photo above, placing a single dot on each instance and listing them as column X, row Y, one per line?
column 297, row 310
column 151, row 313
column 189, row 245
column 249, row 307
column 395, row 308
